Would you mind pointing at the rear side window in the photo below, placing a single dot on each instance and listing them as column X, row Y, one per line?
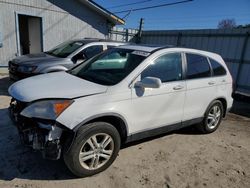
column 168, row 68
column 197, row 66
column 218, row 69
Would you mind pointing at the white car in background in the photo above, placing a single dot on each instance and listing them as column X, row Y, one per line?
column 121, row 95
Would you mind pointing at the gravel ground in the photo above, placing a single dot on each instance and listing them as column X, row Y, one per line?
column 180, row 159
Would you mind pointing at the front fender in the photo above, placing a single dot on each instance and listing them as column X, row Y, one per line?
column 100, row 116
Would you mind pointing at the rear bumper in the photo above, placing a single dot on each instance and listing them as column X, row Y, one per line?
column 39, row 134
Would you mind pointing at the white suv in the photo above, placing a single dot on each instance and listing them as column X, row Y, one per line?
column 121, row 95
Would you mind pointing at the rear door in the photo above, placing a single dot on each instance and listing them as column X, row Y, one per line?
column 201, row 86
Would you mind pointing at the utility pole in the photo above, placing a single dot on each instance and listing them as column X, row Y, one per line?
column 138, row 39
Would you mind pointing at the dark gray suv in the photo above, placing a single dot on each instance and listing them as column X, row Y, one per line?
column 61, row 58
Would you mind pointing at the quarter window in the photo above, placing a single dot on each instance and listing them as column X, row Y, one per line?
column 167, row 68
column 197, row 66
column 218, row 69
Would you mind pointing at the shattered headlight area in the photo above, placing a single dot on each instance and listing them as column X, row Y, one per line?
column 40, row 134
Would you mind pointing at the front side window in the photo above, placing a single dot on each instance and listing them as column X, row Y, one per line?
column 218, row 69
column 109, row 67
column 65, row 49
column 92, row 51
column 197, row 66
column 167, row 68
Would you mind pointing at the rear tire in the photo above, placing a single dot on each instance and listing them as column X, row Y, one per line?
column 93, row 150
column 212, row 118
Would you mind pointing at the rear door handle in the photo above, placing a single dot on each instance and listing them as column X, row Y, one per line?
column 178, row 87
column 211, row 83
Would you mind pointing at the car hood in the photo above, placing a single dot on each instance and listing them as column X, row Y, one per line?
column 53, row 85
column 32, row 59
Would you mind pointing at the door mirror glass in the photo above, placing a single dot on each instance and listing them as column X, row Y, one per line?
column 149, row 82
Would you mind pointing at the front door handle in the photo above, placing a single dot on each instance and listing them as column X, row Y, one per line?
column 211, row 83
column 178, row 87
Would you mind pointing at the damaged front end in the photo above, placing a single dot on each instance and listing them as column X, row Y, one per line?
column 41, row 134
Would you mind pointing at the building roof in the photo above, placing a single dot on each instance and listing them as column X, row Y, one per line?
column 104, row 12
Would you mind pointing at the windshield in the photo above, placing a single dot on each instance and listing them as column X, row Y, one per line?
column 65, row 49
column 110, row 67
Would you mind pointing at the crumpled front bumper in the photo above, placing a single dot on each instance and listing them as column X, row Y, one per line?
column 40, row 134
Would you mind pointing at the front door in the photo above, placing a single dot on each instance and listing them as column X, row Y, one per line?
column 154, row 108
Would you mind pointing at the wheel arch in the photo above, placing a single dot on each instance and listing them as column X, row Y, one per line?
column 224, row 104
column 114, row 119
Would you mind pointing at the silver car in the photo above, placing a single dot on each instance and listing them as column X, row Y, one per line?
column 61, row 58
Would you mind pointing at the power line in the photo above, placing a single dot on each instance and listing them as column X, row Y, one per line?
column 156, row 6
column 182, row 18
column 126, row 15
column 124, row 5
column 191, row 20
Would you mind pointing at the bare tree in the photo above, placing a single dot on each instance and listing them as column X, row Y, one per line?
column 226, row 24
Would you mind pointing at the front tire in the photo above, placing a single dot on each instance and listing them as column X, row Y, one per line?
column 212, row 118
column 93, row 150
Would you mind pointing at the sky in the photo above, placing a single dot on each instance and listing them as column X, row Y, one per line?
column 197, row 14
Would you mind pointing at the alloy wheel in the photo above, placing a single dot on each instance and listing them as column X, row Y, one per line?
column 96, row 151
column 213, row 117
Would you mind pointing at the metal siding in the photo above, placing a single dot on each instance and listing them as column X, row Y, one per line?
column 244, row 79
column 247, row 54
column 233, row 68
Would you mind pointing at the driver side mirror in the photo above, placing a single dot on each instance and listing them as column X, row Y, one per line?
column 149, row 82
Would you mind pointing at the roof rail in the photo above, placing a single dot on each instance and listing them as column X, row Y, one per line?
column 162, row 47
column 102, row 40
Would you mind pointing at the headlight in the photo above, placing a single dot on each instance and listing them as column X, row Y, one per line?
column 49, row 109
column 27, row 69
